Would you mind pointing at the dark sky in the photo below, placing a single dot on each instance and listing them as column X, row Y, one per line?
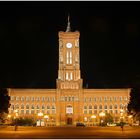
column 109, row 42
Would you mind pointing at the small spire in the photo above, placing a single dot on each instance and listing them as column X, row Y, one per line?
column 68, row 25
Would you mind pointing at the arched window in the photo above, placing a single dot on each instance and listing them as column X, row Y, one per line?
column 115, row 106
column 22, row 106
column 105, row 107
column 43, row 107
column 100, row 106
column 48, row 107
column 110, row 107
column 90, row 106
column 27, row 106
column 22, row 98
column 37, row 107
column 17, row 106
column 85, row 107
column 95, row 106
column 32, row 107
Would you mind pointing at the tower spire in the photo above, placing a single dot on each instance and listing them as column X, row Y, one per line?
column 68, row 25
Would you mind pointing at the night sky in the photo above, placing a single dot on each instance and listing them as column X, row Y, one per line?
column 109, row 42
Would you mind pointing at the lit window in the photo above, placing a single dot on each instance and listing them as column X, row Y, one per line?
column 27, row 111
column 71, row 76
column 95, row 112
column 69, row 98
column 22, row 111
column 38, row 98
column 48, row 107
column 17, row 106
column 115, row 107
column 12, row 98
column 90, row 107
column 105, row 99
column 105, row 107
column 32, row 98
column 32, row 112
column 100, row 106
column 90, row 99
column 125, row 98
column 85, row 107
column 22, row 106
column 17, row 98
column 27, row 98
column 115, row 99
column 37, row 107
column 110, row 107
column 53, row 106
column 43, row 107
column 22, row 98
column 72, row 98
column 67, row 76
column 70, row 58
column 53, row 99
column 43, row 98
column 32, row 107
column 90, row 111
column 120, row 98
column 95, row 106
column 121, row 106
column 85, row 111
column 27, row 106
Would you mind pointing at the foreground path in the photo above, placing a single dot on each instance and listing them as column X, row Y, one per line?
column 69, row 132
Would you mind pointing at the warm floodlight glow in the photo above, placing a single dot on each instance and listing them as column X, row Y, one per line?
column 16, row 111
column 102, row 114
column 9, row 116
column 130, row 116
column 46, row 117
column 93, row 116
column 40, row 114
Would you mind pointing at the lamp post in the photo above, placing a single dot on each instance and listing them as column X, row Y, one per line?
column 102, row 114
column 40, row 114
column 93, row 117
column 46, row 117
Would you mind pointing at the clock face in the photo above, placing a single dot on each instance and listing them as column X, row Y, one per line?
column 69, row 45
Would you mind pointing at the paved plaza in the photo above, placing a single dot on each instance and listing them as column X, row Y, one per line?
column 69, row 132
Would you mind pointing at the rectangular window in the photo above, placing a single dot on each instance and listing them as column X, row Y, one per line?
column 22, row 111
column 90, row 111
column 85, row 111
column 27, row 111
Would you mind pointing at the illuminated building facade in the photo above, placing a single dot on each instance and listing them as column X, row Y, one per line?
column 69, row 102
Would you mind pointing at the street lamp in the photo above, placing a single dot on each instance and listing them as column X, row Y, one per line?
column 93, row 117
column 40, row 116
column 102, row 114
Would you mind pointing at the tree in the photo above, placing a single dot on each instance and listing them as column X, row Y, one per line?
column 134, row 103
column 4, row 102
column 108, row 118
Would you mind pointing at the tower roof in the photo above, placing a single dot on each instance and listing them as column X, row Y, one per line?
column 68, row 24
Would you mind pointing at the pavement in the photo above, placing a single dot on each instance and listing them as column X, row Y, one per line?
column 71, row 132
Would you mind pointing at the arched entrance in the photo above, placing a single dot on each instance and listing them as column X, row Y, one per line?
column 69, row 121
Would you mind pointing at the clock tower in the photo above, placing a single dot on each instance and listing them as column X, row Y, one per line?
column 69, row 75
